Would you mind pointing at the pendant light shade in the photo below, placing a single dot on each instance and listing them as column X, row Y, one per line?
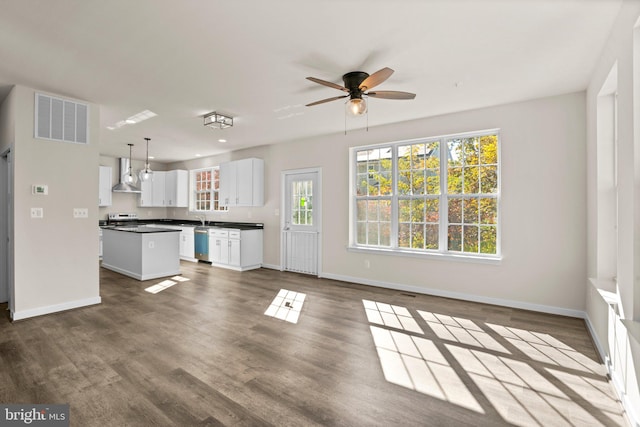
column 129, row 177
column 146, row 174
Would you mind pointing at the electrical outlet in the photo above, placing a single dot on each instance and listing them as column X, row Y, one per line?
column 80, row 213
column 37, row 213
column 152, row 244
column 367, row 264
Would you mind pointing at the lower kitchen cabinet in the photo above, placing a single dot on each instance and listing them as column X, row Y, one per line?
column 235, row 249
column 187, row 240
column 187, row 244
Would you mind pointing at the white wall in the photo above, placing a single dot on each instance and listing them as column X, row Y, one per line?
column 56, row 258
column 613, row 306
column 542, row 216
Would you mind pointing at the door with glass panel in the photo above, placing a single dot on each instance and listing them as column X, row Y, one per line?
column 301, row 221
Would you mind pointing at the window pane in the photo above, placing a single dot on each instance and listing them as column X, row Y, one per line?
column 488, row 179
column 454, row 238
column 489, row 149
column 433, row 181
column 488, row 211
column 417, row 236
column 372, row 210
column 404, row 210
column 470, row 147
column 361, row 229
column 372, row 233
column 417, row 210
column 455, row 210
column 454, row 180
column 385, row 234
column 488, row 239
column 432, row 213
column 361, row 210
column 431, row 236
column 470, row 211
column 385, row 210
column 470, row 238
column 471, row 181
column 404, row 235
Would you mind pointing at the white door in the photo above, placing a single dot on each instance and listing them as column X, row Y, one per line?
column 301, row 221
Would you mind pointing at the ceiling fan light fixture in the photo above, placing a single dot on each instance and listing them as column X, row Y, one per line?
column 356, row 107
column 218, row 121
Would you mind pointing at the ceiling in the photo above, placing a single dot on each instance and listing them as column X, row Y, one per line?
column 184, row 58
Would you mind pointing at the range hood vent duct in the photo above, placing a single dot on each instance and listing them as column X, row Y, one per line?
column 123, row 187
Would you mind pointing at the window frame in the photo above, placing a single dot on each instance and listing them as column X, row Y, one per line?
column 443, row 218
column 193, row 191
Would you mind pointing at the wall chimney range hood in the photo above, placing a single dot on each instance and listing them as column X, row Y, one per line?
column 123, row 187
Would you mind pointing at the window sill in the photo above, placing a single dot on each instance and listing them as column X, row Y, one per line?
column 494, row 260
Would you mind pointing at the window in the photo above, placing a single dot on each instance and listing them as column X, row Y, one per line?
column 436, row 195
column 205, row 184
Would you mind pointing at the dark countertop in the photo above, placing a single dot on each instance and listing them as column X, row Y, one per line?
column 142, row 229
column 183, row 222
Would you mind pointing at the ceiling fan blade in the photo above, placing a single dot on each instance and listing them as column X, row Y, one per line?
column 376, row 78
column 326, row 83
column 326, row 100
column 391, row 94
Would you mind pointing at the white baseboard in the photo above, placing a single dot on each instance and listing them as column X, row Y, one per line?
column 272, row 266
column 458, row 295
column 25, row 314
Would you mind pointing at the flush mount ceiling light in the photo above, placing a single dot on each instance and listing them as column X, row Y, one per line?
column 136, row 118
column 146, row 174
column 218, row 121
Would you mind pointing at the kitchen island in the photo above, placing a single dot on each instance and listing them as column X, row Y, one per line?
column 141, row 252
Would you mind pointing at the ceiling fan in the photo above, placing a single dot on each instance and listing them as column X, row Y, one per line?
column 356, row 84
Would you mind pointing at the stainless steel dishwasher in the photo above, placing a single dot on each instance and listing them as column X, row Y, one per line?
column 201, row 235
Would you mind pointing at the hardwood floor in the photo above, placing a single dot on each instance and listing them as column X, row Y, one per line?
column 203, row 353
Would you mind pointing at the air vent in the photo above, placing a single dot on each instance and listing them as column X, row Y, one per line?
column 61, row 120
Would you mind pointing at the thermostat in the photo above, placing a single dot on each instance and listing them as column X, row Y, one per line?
column 40, row 189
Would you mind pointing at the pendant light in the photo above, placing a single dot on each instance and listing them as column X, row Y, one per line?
column 146, row 174
column 129, row 177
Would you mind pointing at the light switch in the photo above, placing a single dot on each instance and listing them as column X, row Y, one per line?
column 80, row 213
column 37, row 213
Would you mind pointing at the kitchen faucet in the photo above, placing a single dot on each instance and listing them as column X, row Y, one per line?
column 201, row 218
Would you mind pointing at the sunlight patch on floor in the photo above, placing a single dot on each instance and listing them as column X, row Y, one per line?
column 180, row 278
column 547, row 349
column 461, row 330
column 160, row 286
column 392, row 316
column 286, row 306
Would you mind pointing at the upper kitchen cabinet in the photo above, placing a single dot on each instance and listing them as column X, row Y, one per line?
column 159, row 188
column 177, row 189
column 242, row 183
column 104, row 186
column 166, row 189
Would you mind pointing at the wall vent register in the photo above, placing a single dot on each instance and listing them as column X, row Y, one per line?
column 61, row 119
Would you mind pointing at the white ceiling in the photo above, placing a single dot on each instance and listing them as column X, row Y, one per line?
column 184, row 58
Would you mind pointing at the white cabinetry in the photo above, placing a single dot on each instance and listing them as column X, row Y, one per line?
column 158, row 188
column 235, row 249
column 177, row 189
column 187, row 244
column 104, row 187
column 166, row 189
column 242, row 183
